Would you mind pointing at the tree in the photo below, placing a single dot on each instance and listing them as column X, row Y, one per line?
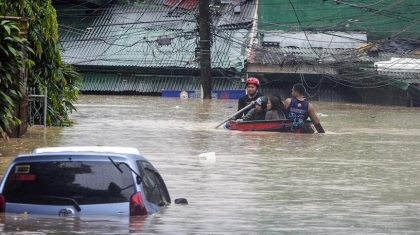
column 12, row 59
column 49, row 70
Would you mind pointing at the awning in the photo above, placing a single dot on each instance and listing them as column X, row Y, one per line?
column 402, row 65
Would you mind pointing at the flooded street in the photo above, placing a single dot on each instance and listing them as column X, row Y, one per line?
column 361, row 177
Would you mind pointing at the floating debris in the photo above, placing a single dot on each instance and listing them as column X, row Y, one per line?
column 208, row 157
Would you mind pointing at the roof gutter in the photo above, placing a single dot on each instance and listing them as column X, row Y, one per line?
column 414, row 90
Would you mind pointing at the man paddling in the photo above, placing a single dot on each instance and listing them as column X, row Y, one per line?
column 299, row 109
column 252, row 94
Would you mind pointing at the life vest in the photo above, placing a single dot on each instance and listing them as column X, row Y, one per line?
column 298, row 110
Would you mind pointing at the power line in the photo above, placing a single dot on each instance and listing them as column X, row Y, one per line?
column 111, row 38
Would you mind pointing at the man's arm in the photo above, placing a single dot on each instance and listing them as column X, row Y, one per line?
column 287, row 103
column 249, row 115
column 241, row 105
column 315, row 119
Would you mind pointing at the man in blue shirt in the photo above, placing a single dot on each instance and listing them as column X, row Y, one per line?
column 298, row 108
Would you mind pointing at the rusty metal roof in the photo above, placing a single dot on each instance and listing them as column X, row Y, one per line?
column 278, row 55
column 334, row 56
column 227, row 18
column 186, row 4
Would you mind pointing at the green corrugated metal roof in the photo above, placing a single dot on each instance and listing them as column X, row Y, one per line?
column 104, row 82
column 378, row 18
column 97, row 2
column 127, row 35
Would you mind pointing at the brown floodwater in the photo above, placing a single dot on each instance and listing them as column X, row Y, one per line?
column 361, row 177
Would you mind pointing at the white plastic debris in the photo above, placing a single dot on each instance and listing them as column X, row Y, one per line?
column 208, row 157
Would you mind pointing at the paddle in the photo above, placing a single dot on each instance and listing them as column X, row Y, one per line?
column 233, row 115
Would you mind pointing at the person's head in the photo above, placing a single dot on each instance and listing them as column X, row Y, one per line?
column 252, row 85
column 261, row 104
column 278, row 96
column 273, row 103
column 298, row 89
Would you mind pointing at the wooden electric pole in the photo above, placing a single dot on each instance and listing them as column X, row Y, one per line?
column 205, row 54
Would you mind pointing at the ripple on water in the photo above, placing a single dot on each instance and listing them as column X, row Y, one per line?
column 361, row 177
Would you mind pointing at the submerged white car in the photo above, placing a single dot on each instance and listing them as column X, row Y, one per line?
column 68, row 181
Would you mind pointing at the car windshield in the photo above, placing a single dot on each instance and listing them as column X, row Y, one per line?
column 63, row 183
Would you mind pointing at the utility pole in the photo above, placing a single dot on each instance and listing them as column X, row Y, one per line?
column 205, row 54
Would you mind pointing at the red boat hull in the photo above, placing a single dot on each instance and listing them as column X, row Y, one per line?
column 282, row 125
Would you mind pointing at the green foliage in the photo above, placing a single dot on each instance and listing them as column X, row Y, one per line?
column 69, row 95
column 12, row 59
column 48, row 71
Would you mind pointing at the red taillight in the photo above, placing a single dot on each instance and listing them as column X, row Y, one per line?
column 137, row 206
column 2, row 204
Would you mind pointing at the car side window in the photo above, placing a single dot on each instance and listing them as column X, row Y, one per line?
column 150, row 183
column 163, row 189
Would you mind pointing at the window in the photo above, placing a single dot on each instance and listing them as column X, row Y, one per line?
column 150, row 185
column 153, row 185
column 163, row 188
column 55, row 183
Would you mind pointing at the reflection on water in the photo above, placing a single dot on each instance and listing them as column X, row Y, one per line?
column 358, row 178
column 40, row 224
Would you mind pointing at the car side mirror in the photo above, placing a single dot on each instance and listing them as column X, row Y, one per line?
column 181, row 201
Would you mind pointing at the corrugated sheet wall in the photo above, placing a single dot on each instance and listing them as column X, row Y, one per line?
column 106, row 82
column 321, row 95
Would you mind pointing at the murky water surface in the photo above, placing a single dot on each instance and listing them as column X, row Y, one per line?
column 361, row 177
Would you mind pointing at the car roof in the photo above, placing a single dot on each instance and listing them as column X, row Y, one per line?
column 97, row 149
column 81, row 153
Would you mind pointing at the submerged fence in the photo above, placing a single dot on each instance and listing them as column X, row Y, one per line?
column 37, row 107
